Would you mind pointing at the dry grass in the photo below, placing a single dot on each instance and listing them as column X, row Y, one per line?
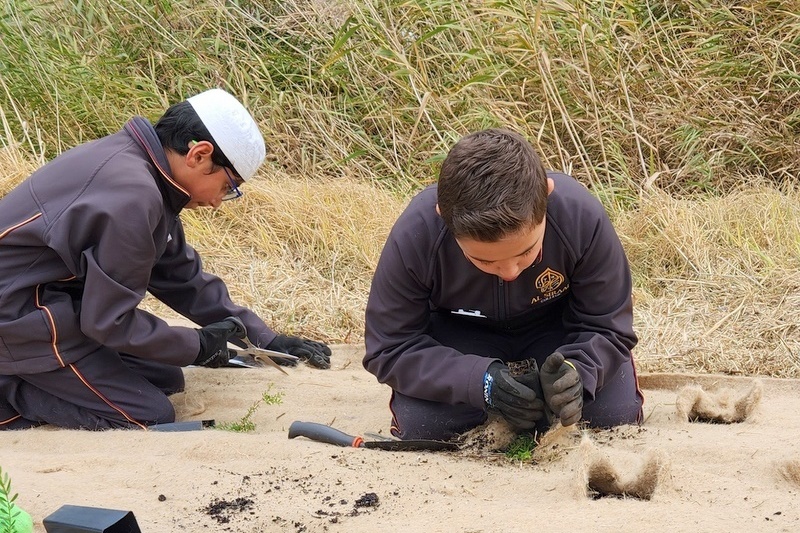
column 299, row 253
column 717, row 284
column 16, row 164
column 601, row 477
column 15, row 168
column 716, row 281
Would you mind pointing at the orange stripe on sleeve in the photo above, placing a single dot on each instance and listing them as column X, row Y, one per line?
column 12, row 228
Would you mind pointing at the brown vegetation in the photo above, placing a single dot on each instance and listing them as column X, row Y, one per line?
column 716, row 283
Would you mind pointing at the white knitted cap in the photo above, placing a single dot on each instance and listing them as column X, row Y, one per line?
column 233, row 129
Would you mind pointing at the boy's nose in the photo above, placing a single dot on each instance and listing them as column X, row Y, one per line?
column 509, row 272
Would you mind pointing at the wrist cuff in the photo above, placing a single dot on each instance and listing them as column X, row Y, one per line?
column 488, row 382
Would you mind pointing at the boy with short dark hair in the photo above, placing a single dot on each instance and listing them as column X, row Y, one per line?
column 501, row 263
column 82, row 240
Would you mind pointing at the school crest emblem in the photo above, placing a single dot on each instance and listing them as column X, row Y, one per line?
column 549, row 280
column 550, row 284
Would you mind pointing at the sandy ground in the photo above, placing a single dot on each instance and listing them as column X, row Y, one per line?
column 697, row 476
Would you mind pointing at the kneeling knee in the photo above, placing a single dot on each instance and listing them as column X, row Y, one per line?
column 164, row 413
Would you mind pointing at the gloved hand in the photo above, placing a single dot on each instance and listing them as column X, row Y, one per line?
column 315, row 353
column 529, row 377
column 562, row 388
column 531, row 380
column 517, row 403
column 214, row 337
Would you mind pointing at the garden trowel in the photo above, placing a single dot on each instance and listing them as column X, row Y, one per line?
column 329, row 435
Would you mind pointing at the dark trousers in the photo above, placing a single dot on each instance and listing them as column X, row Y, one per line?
column 618, row 402
column 100, row 391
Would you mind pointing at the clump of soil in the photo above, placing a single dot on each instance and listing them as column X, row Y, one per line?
column 222, row 510
column 555, row 443
column 492, row 437
column 520, row 368
column 724, row 406
column 497, row 435
column 370, row 499
column 603, row 480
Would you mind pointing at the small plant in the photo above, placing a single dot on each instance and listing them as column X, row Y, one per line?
column 272, row 399
column 246, row 424
column 8, row 511
column 521, row 449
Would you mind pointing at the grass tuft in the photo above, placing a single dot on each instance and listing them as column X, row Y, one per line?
column 246, row 424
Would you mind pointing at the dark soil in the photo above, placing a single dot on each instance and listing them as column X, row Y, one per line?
column 221, row 510
column 370, row 499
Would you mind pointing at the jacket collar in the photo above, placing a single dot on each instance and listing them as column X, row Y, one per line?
column 145, row 135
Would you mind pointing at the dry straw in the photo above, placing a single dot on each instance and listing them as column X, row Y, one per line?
column 360, row 98
column 601, row 476
column 716, row 282
column 722, row 406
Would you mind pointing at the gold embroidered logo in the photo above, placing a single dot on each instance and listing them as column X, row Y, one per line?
column 549, row 280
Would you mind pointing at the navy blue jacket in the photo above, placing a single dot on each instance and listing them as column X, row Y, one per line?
column 582, row 287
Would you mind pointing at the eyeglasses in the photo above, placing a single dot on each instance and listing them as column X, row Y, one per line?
column 233, row 191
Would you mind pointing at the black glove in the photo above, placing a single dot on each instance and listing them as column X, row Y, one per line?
column 517, row 403
column 214, row 337
column 314, row 353
column 531, row 380
column 562, row 388
column 529, row 377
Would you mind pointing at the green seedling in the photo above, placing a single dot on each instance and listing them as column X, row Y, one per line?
column 12, row 518
column 246, row 424
column 521, row 449
column 272, row 399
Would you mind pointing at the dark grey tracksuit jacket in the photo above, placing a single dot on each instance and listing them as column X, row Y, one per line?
column 582, row 287
column 82, row 240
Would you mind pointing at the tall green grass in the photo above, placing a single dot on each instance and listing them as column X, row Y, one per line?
column 691, row 95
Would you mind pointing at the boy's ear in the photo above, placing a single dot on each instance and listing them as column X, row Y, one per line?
column 551, row 185
column 198, row 152
column 437, row 210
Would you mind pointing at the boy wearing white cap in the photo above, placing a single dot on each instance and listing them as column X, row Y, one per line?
column 82, row 240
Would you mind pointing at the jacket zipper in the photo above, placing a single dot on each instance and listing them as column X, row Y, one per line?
column 501, row 302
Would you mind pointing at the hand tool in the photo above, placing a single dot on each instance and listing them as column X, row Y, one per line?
column 259, row 354
column 329, row 435
column 188, row 425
